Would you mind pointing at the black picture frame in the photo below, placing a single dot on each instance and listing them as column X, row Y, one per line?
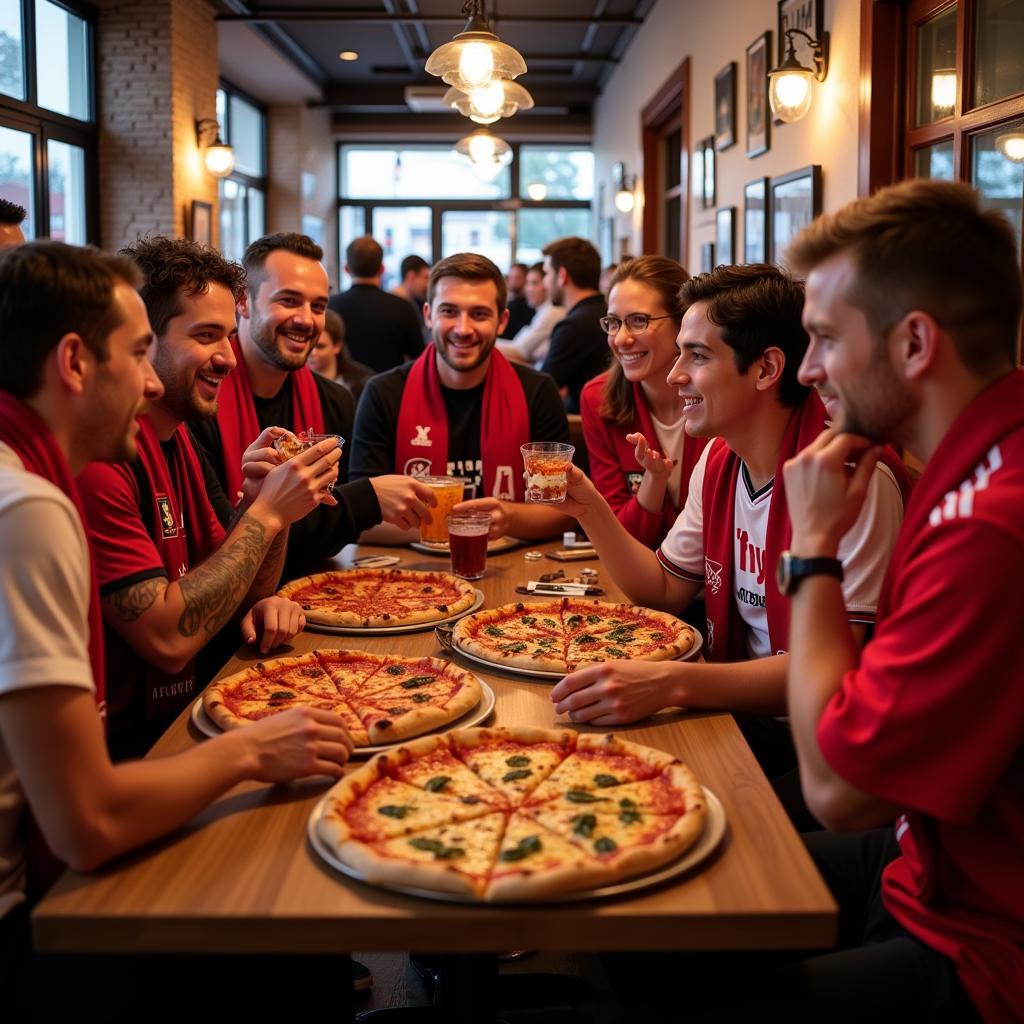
column 709, row 191
column 796, row 201
column 707, row 257
column 756, row 223
column 725, row 235
column 808, row 15
column 725, row 107
column 759, row 121
column 201, row 222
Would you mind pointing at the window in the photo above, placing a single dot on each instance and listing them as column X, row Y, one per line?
column 966, row 109
column 47, row 122
column 426, row 200
column 243, row 126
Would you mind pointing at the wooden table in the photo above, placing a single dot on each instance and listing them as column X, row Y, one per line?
column 241, row 878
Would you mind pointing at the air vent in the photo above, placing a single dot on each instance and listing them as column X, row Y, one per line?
column 426, row 99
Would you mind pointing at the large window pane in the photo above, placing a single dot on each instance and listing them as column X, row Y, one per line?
column 402, row 231
column 16, row 180
column 232, row 219
column 998, row 50
column 425, row 172
column 351, row 225
column 999, row 179
column 12, row 57
column 537, row 227
column 62, row 61
column 565, row 172
column 935, row 161
column 256, row 217
column 488, row 232
column 246, row 137
column 936, row 68
column 67, row 192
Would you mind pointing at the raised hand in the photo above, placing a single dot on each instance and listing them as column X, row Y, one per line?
column 272, row 622
column 404, row 500
column 293, row 489
column 651, row 461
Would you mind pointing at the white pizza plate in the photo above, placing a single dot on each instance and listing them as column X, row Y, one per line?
column 208, row 727
column 494, row 547
column 415, row 627
column 529, row 673
column 714, row 830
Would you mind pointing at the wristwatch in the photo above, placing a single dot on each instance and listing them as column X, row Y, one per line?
column 791, row 570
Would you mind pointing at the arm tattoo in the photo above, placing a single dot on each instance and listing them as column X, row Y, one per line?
column 134, row 601
column 213, row 591
column 269, row 573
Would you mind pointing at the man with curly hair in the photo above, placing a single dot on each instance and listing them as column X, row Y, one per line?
column 11, row 217
column 170, row 576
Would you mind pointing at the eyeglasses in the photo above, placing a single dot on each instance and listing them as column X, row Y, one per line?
column 636, row 323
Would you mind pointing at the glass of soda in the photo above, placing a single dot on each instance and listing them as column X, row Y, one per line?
column 467, row 541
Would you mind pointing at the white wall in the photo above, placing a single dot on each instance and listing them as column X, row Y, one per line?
column 712, row 34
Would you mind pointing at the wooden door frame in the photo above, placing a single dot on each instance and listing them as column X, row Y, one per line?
column 671, row 99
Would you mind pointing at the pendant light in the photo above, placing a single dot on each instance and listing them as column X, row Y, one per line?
column 501, row 98
column 476, row 56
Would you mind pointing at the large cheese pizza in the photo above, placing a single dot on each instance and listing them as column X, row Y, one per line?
column 512, row 814
column 379, row 598
column 563, row 634
column 382, row 699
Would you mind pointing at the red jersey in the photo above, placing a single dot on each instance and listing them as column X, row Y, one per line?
column 932, row 719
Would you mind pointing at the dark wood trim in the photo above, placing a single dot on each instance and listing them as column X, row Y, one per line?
column 671, row 101
column 880, row 155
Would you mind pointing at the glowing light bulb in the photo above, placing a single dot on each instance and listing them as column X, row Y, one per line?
column 481, row 148
column 944, row 90
column 790, row 94
column 488, row 100
column 220, row 160
column 476, row 64
column 624, row 200
column 537, row 191
column 1011, row 145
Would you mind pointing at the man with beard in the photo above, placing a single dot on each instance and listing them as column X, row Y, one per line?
column 170, row 577
column 74, row 374
column 281, row 316
column 740, row 347
column 461, row 408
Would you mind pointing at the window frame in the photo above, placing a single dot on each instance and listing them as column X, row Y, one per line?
column 250, row 181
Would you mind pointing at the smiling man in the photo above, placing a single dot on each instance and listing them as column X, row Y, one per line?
column 740, row 347
column 461, row 408
column 281, row 316
column 170, row 577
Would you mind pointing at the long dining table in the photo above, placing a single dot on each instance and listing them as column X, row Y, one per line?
column 242, row 877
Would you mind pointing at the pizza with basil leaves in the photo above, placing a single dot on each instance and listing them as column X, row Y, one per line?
column 504, row 815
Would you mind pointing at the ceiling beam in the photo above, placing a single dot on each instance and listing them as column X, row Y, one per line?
column 384, row 18
column 578, row 97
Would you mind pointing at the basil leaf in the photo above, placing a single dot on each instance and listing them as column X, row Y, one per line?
column 593, row 619
column 437, row 783
column 450, row 853
column 630, row 817
column 615, row 652
column 429, row 845
column 575, row 620
column 522, row 849
column 395, row 670
column 581, row 796
column 529, row 620
column 471, row 799
column 517, row 647
column 394, row 810
column 416, row 682
column 420, row 698
column 517, row 761
column 586, row 638
column 584, row 825
column 604, row 781
column 550, row 622
column 519, row 773
column 282, row 695
column 605, row 845
column 493, row 631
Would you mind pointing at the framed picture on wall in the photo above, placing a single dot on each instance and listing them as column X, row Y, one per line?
column 708, row 147
column 697, row 174
column 759, row 53
column 725, row 234
column 202, row 222
column 808, row 15
column 755, row 221
column 796, row 201
column 707, row 257
column 725, row 107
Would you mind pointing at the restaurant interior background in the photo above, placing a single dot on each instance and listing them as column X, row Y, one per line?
column 107, row 114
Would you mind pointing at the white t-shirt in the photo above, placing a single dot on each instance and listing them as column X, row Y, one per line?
column 44, row 625
column 864, row 551
column 670, row 441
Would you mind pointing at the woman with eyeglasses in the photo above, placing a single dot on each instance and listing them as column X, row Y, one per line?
column 640, row 456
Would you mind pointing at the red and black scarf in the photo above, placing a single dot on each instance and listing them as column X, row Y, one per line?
column 421, row 439
column 236, row 415
column 23, row 430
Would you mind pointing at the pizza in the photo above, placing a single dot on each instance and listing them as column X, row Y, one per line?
column 565, row 633
column 382, row 699
column 378, row 598
column 512, row 814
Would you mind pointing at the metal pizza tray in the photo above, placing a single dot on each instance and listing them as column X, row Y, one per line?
column 447, row 641
column 415, row 627
column 208, row 727
column 711, row 837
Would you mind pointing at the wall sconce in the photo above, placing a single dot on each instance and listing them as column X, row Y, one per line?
column 476, row 56
column 944, row 91
column 1011, row 145
column 220, row 158
column 625, row 186
column 789, row 89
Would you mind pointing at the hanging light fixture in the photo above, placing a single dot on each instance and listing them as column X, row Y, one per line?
column 789, row 89
column 625, row 188
column 220, row 157
column 1011, row 145
column 476, row 56
column 944, row 91
column 501, row 98
column 486, row 152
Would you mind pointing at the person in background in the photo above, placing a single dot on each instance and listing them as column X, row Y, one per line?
column 74, row 375
column 579, row 347
column 415, row 271
column 330, row 357
column 605, row 282
column 12, row 216
column 641, row 457
column 382, row 330
column 520, row 311
column 530, row 345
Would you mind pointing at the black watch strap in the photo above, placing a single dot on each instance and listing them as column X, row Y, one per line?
column 791, row 570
